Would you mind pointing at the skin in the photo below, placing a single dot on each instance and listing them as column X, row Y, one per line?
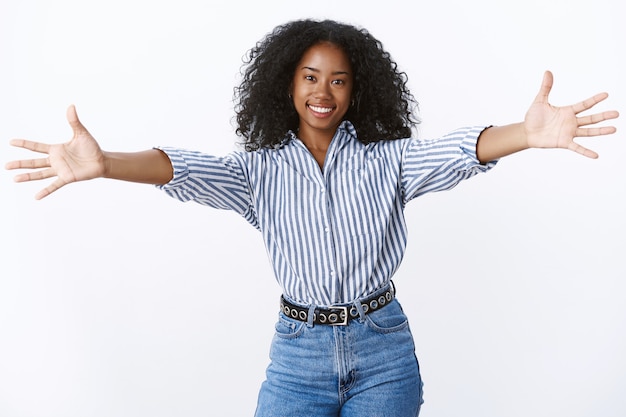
column 323, row 80
column 547, row 126
column 321, row 91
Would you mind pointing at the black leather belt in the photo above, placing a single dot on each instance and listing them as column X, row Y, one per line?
column 338, row 315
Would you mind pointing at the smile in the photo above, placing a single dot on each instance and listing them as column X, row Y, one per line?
column 323, row 110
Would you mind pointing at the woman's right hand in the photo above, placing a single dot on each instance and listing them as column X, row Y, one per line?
column 79, row 159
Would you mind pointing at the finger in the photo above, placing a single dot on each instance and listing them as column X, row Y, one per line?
column 28, row 164
column 595, row 131
column 583, row 151
column 546, row 87
column 597, row 118
column 30, row 145
column 72, row 118
column 49, row 190
column 589, row 103
column 34, row 176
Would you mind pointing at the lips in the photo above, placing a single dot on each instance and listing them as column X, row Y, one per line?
column 321, row 109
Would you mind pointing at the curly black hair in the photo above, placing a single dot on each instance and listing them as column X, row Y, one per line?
column 383, row 105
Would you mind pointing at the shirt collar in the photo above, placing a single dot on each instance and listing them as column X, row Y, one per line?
column 346, row 126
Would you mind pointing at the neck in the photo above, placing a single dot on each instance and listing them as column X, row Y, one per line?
column 315, row 139
column 317, row 144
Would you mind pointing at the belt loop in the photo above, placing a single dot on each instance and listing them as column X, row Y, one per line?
column 310, row 316
column 359, row 307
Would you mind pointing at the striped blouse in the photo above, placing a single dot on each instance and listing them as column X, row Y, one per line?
column 334, row 234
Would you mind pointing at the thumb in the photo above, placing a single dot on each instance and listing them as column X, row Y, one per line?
column 72, row 118
column 546, row 87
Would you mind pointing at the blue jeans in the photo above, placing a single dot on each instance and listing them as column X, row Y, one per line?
column 366, row 369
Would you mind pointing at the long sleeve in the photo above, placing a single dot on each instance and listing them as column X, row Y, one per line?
column 218, row 182
column 440, row 164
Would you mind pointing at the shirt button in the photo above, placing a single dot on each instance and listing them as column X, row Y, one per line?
column 326, row 229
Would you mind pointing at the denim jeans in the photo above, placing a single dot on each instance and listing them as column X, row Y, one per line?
column 366, row 369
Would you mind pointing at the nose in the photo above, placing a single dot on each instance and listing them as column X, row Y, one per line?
column 321, row 91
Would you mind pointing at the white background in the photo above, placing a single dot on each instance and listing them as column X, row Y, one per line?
column 116, row 300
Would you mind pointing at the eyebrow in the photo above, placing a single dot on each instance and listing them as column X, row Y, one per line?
column 317, row 70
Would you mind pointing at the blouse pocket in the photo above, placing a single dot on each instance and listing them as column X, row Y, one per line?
column 367, row 193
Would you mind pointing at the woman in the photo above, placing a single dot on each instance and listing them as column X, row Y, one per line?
column 328, row 167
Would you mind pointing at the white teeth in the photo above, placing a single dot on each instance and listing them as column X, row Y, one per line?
column 321, row 109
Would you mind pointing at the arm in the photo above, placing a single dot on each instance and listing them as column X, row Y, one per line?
column 546, row 126
column 82, row 159
column 149, row 167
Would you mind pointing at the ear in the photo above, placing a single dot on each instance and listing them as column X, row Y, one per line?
column 356, row 100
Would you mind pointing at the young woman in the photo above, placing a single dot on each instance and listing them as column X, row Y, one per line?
column 328, row 167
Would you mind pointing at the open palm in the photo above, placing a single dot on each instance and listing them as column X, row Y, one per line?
column 77, row 160
column 548, row 126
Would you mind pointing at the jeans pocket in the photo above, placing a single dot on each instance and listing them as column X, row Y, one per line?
column 389, row 319
column 288, row 328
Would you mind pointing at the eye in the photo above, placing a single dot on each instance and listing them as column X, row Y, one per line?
column 339, row 82
column 309, row 78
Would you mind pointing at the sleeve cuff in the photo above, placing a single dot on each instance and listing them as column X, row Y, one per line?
column 180, row 169
column 468, row 147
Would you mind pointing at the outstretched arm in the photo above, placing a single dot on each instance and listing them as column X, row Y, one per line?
column 82, row 159
column 546, row 126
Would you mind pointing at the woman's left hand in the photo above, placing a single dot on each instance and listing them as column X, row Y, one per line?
column 547, row 126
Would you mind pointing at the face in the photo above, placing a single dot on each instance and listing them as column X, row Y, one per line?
column 321, row 90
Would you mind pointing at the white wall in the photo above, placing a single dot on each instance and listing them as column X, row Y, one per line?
column 113, row 296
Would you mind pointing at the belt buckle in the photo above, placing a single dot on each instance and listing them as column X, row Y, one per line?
column 344, row 312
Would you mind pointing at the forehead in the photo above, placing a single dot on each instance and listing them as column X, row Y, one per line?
column 325, row 56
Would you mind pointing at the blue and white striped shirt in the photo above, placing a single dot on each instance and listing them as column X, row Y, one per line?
column 334, row 234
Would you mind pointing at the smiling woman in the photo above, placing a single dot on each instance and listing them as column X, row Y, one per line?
column 380, row 105
column 322, row 95
column 329, row 166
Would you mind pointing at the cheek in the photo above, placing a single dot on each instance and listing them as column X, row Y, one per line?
column 299, row 106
